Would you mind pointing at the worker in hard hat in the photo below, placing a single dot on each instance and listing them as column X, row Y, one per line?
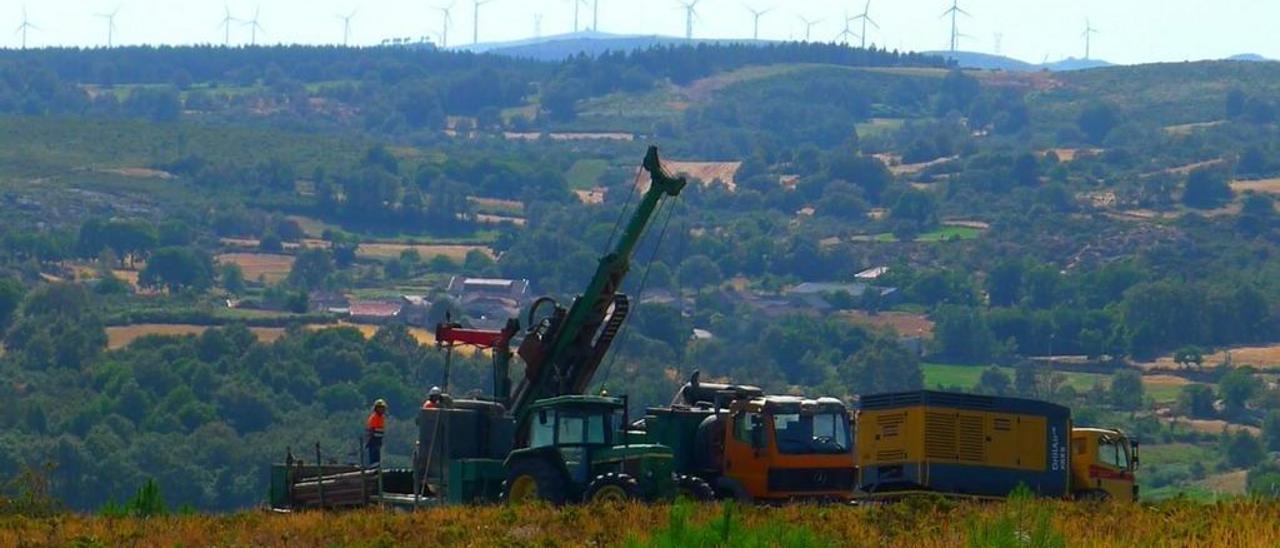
column 375, row 429
column 433, row 398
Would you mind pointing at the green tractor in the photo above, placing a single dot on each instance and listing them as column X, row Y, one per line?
column 577, row 451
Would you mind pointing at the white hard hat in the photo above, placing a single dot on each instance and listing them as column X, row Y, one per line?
column 435, row 391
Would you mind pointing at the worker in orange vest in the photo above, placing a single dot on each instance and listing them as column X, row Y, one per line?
column 433, row 398
column 375, row 429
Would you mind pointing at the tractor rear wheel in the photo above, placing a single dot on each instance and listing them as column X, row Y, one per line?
column 612, row 488
column 694, row 488
column 533, row 479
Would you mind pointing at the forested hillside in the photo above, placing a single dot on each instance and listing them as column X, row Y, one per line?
column 199, row 244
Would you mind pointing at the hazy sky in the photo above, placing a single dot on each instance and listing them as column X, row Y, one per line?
column 1130, row 31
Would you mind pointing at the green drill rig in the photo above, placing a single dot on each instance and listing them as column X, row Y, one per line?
column 545, row 438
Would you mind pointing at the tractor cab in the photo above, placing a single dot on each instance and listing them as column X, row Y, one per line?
column 1103, row 462
column 571, row 448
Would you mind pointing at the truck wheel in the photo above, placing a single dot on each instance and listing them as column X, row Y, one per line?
column 694, row 488
column 530, row 480
column 612, row 487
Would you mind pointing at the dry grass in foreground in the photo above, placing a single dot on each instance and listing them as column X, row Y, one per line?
column 914, row 523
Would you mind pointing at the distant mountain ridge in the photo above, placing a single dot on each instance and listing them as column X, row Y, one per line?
column 987, row 61
column 562, row 46
column 1252, row 57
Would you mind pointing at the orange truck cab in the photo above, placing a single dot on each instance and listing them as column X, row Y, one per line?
column 755, row 447
column 786, row 447
column 1103, row 462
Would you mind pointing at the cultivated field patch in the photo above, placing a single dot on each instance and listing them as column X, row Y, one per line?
column 1227, row 483
column 1262, row 357
column 1264, row 186
column 894, row 163
column 1188, row 129
column 266, row 266
column 1212, row 426
column 122, row 336
column 387, row 250
column 707, row 172
column 509, row 207
column 593, row 196
column 905, row 323
column 1070, row 154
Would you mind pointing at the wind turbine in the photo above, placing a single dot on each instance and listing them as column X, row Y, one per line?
column 1089, row 31
column 755, row 20
column 346, row 26
column 111, row 25
column 25, row 26
column 690, row 12
column 808, row 26
column 226, row 26
column 537, row 25
column 447, row 20
column 848, row 31
column 577, row 7
column 254, row 27
column 595, row 16
column 955, row 29
column 475, row 30
column 865, row 17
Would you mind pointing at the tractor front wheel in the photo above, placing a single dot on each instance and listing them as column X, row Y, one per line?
column 694, row 488
column 612, row 488
column 533, row 479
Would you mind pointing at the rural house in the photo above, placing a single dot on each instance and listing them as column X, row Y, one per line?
column 489, row 302
column 415, row 310
column 375, row 312
column 328, row 301
column 818, row 295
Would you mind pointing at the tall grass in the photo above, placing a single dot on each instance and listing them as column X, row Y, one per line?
column 922, row 522
column 726, row 530
column 1022, row 523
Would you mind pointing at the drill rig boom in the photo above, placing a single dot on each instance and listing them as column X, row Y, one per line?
column 562, row 351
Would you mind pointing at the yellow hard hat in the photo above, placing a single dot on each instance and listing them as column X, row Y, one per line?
column 380, row 403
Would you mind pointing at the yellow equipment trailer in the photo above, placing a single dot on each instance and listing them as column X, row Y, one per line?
column 984, row 446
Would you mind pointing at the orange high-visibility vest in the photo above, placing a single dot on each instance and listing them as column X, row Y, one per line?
column 377, row 424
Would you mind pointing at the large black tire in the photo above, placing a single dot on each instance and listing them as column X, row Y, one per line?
column 534, row 479
column 612, row 488
column 694, row 488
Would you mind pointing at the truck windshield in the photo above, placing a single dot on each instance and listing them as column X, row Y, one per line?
column 1114, row 453
column 819, row 433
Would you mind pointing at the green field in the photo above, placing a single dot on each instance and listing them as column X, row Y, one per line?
column 967, row 376
column 1176, row 453
column 943, row 234
column 948, row 233
column 878, row 126
column 586, row 174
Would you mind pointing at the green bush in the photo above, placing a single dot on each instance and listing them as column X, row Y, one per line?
column 146, row 503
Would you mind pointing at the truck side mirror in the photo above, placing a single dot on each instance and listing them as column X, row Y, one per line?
column 542, row 416
column 1135, row 460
